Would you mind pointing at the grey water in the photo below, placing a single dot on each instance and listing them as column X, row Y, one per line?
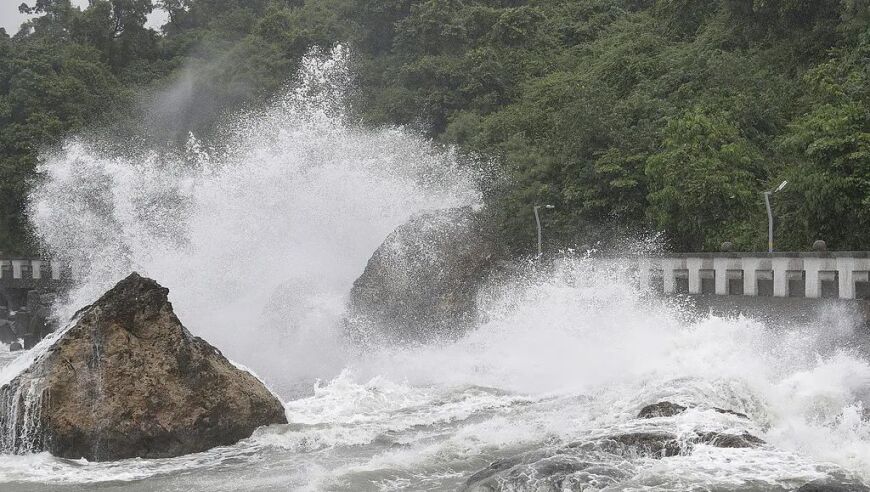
column 559, row 361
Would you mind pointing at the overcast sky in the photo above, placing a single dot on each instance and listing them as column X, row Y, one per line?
column 10, row 19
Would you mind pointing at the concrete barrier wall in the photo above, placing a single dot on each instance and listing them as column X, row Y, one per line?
column 29, row 269
column 28, row 289
column 844, row 275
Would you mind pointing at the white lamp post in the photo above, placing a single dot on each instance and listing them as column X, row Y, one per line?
column 538, row 221
column 770, row 215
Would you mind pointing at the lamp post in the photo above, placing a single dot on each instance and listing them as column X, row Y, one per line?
column 770, row 214
column 538, row 222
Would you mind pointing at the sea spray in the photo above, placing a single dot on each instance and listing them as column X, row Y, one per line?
column 260, row 238
column 585, row 327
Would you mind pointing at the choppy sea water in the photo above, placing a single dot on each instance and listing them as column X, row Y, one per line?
column 259, row 244
column 561, row 359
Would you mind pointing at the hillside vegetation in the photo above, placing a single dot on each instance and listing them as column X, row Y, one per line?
column 629, row 116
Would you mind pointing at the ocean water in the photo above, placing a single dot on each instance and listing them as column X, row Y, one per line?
column 259, row 246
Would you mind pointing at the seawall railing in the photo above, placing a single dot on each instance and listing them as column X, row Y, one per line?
column 23, row 273
column 844, row 275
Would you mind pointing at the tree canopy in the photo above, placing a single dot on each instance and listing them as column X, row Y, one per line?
column 627, row 115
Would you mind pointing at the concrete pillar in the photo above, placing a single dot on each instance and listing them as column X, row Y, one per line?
column 55, row 270
column 780, row 279
column 694, row 267
column 720, row 266
column 750, row 281
column 845, row 267
column 644, row 266
column 668, row 275
column 16, row 268
column 37, row 268
column 812, row 266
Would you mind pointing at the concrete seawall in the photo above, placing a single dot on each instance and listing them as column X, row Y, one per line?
column 843, row 275
column 28, row 289
column 784, row 311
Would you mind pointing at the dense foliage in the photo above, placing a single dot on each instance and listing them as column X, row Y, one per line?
column 627, row 115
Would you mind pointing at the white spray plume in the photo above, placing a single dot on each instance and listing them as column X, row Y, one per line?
column 260, row 243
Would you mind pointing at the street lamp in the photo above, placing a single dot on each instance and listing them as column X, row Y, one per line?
column 538, row 221
column 770, row 215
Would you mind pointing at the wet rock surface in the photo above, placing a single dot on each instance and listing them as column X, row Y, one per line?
column 723, row 440
column 128, row 380
column 583, row 465
column 594, row 463
column 422, row 281
column 660, row 409
column 640, row 445
column 556, row 470
column 730, row 412
column 717, row 439
column 833, row 486
column 668, row 409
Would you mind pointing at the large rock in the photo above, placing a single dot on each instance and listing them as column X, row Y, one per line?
column 128, row 380
column 421, row 283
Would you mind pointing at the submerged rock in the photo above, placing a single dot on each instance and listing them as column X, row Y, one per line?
column 827, row 485
column 668, row 409
column 660, row 409
column 582, row 465
column 594, row 463
column 644, row 444
column 723, row 440
column 730, row 412
column 553, row 470
column 422, row 281
column 128, row 380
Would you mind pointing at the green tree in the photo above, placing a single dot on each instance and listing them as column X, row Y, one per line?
column 830, row 193
column 704, row 182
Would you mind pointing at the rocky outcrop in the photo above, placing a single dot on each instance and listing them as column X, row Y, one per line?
column 555, row 470
column 660, row 409
column 723, row 440
column 594, row 463
column 421, row 283
column 827, row 485
column 668, row 409
column 639, row 445
column 128, row 380
column 730, row 412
